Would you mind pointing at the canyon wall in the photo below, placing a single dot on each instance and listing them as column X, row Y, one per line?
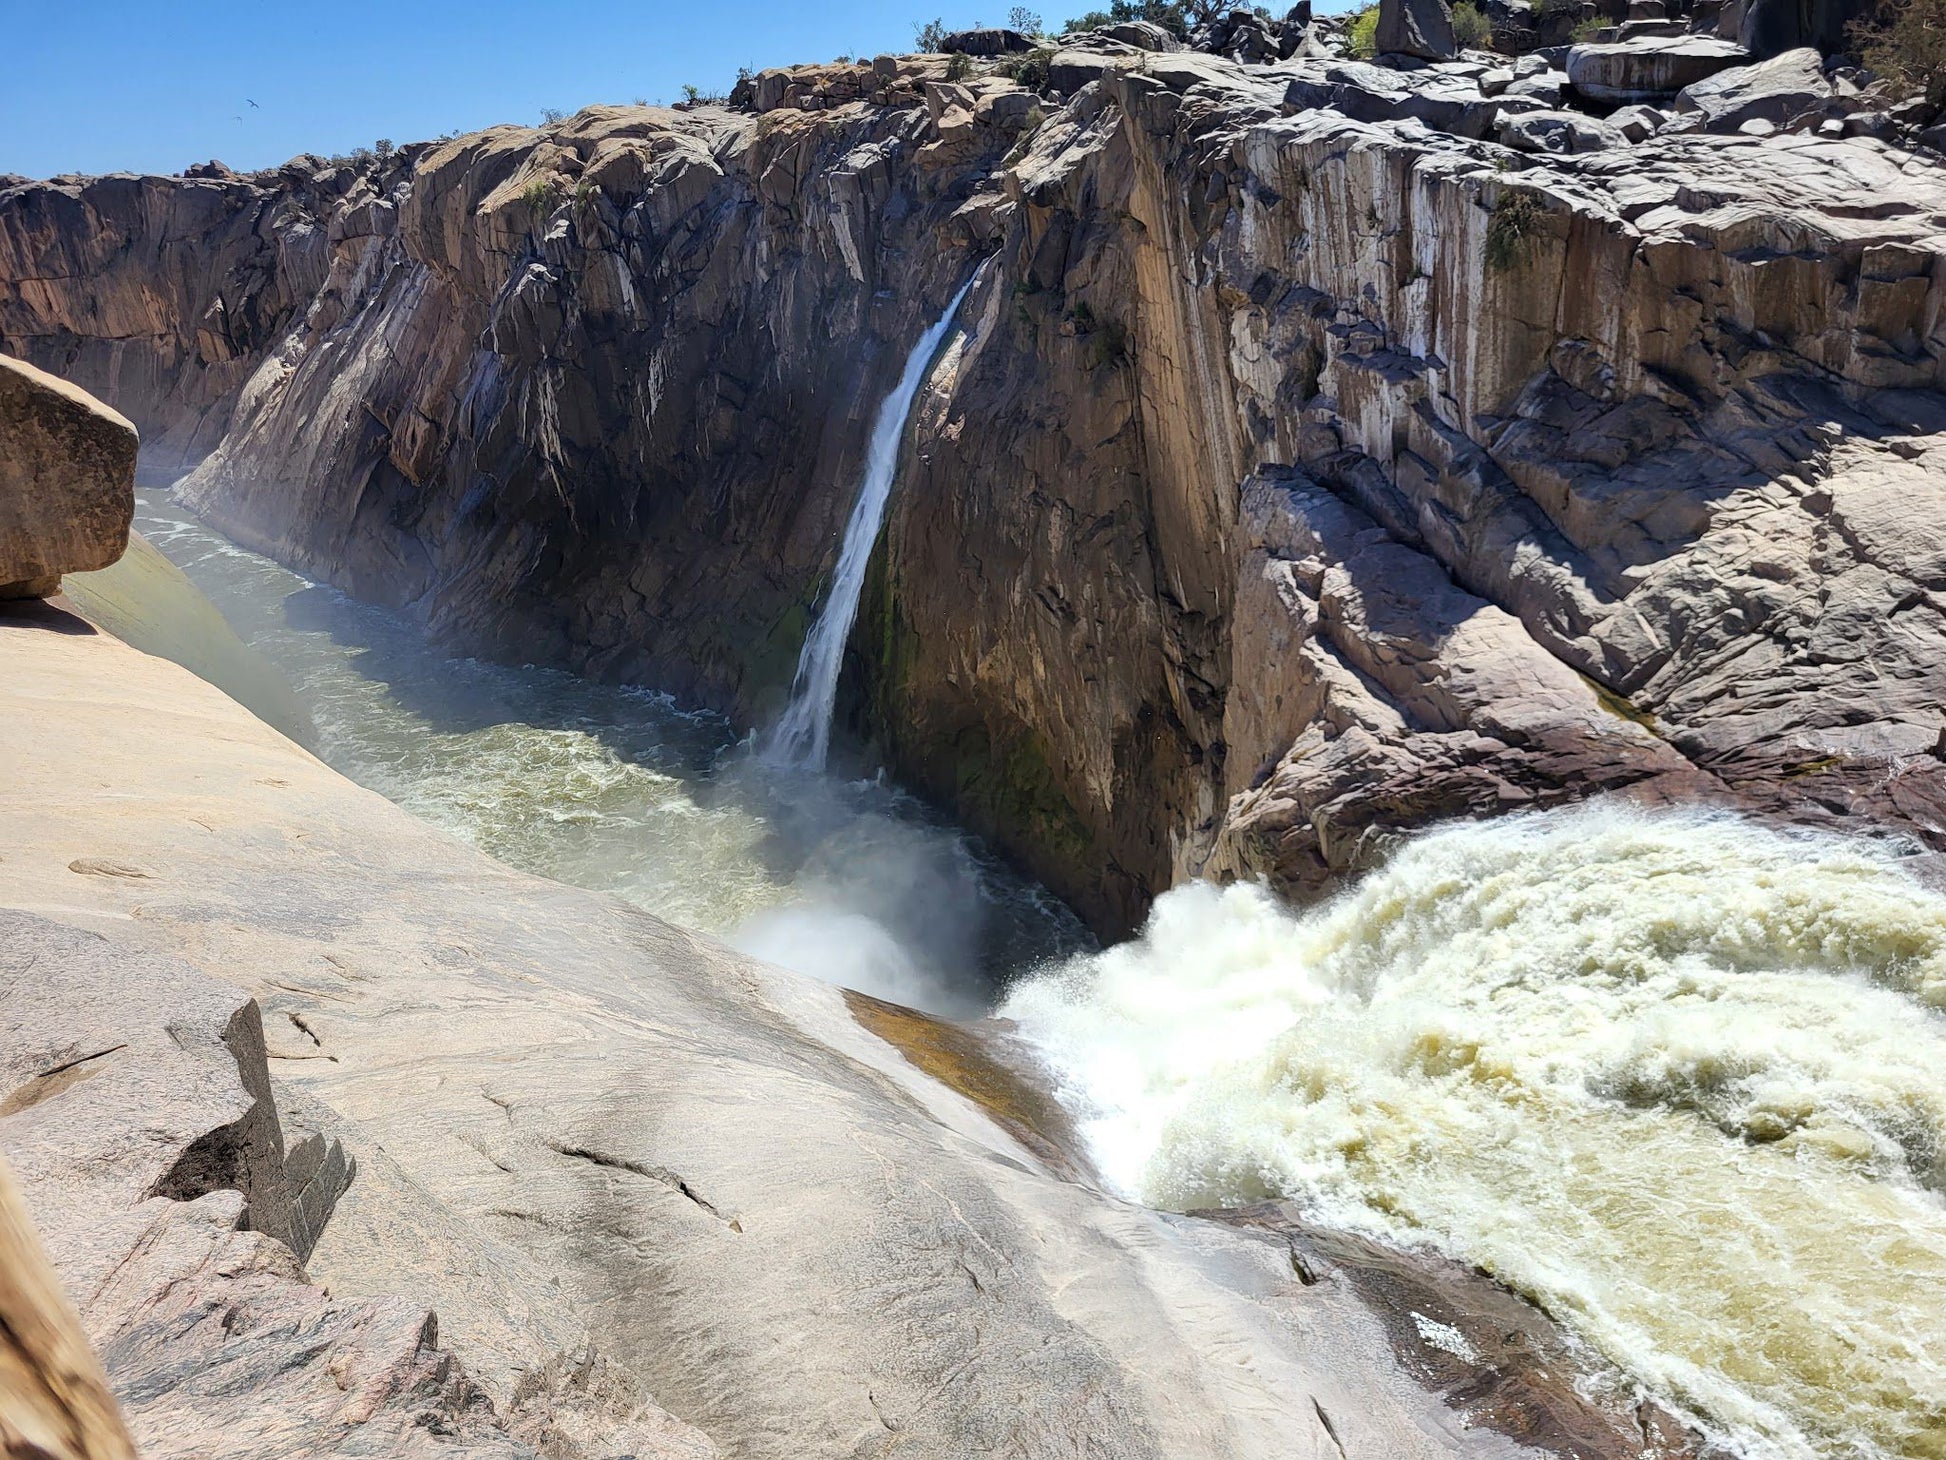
column 1308, row 467
column 1323, row 477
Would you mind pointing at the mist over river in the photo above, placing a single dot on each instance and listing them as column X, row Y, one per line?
column 621, row 790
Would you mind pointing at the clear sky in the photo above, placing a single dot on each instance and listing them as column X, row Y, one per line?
column 110, row 85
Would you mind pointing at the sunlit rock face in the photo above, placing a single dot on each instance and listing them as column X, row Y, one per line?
column 1325, row 477
column 1304, row 469
column 582, row 394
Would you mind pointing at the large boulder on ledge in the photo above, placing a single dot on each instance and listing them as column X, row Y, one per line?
column 1773, row 91
column 1648, row 68
column 1422, row 28
column 67, row 481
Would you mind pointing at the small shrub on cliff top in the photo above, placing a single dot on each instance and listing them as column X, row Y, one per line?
column 1027, row 22
column 538, row 195
column 1906, row 45
column 1361, row 36
column 1029, row 70
column 1471, row 28
column 1516, row 218
column 930, row 35
column 959, row 66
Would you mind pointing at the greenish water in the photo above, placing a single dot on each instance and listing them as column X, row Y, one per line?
column 622, row 790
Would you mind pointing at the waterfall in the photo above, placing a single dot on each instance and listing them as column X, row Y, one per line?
column 803, row 736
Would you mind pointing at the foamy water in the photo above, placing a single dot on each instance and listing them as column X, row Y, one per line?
column 1680, row 1079
column 622, row 790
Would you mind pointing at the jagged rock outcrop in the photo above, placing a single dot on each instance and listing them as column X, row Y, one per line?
column 67, row 481
column 1645, row 390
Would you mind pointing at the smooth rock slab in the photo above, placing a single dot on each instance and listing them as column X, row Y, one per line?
column 1422, row 28
column 1771, row 91
column 1649, row 68
column 67, row 481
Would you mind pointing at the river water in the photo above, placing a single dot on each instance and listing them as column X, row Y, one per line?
column 622, row 790
column 1679, row 1078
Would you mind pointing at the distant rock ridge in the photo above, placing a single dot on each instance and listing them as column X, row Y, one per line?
column 1627, row 394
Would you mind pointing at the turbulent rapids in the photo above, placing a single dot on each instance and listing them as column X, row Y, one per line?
column 1680, row 1079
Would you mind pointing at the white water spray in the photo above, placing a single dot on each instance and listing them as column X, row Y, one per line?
column 802, row 738
column 1680, row 1078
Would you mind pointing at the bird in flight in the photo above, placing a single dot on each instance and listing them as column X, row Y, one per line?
column 253, row 103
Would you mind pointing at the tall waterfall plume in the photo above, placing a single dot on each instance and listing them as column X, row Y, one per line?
column 802, row 738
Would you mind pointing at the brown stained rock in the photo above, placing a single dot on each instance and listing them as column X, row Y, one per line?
column 1497, row 1359
column 972, row 1059
column 55, row 1403
column 67, row 481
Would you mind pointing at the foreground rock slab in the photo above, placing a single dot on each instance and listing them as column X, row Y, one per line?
column 67, row 481
column 617, row 1160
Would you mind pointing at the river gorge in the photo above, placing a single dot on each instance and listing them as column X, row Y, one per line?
column 1144, row 743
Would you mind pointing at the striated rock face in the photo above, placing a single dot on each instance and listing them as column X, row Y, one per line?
column 1631, row 399
column 1307, row 466
column 582, row 394
column 67, row 481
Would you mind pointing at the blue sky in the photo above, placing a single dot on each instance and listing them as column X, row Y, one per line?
column 101, row 87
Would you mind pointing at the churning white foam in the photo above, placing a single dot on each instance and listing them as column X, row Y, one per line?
column 1681, row 1079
